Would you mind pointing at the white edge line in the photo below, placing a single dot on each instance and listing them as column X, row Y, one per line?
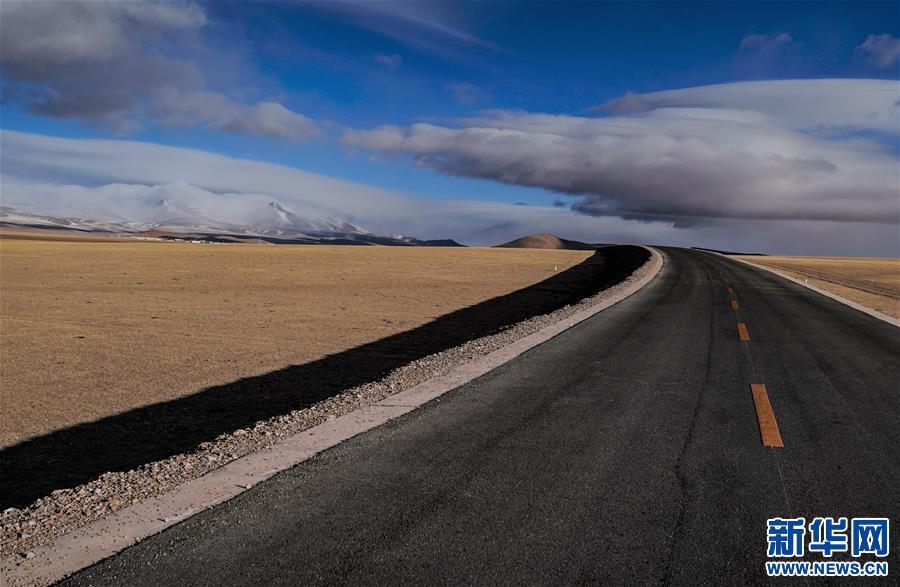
column 105, row 537
column 855, row 305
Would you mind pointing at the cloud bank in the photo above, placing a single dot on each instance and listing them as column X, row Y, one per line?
column 120, row 180
column 778, row 150
column 112, row 64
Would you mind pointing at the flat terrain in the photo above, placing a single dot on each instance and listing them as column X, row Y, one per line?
column 95, row 327
column 872, row 282
column 626, row 450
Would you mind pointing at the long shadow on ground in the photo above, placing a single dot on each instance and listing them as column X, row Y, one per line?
column 70, row 457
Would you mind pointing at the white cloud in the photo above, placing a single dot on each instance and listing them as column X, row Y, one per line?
column 36, row 159
column 793, row 104
column 110, row 63
column 687, row 156
column 118, row 181
column 883, row 50
column 127, row 180
column 274, row 120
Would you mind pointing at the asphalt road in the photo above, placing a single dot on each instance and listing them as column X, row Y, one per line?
column 625, row 450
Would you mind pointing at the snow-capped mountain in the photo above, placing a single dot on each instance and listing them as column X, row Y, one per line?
column 165, row 212
column 168, row 219
column 285, row 219
column 178, row 205
column 181, row 207
column 12, row 218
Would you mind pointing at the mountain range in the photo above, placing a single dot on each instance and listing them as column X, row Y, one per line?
column 170, row 219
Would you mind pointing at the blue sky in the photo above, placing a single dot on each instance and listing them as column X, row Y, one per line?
column 360, row 66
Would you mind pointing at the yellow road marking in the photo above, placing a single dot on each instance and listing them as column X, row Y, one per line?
column 768, row 426
column 734, row 305
column 742, row 331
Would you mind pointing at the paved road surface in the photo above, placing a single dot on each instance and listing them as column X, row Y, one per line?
column 625, row 450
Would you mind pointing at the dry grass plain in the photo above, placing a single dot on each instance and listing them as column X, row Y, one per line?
column 91, row 328
column 872, row 282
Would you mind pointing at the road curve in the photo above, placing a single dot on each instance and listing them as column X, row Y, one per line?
column 627, row 449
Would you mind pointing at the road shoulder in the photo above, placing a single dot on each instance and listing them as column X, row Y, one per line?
column 855, row 305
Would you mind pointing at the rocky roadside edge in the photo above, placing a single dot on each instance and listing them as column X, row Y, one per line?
column 65, row 510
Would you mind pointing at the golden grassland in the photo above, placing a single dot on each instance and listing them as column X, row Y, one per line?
column 94, row 327
column 872, row 282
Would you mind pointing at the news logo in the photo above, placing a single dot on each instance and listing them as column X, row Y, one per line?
column 825, row 537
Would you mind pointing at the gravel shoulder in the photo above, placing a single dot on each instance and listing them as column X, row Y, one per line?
column 67, row 509
column 873, row 283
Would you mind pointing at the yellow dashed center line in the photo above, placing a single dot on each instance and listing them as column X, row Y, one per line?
column 768, row 426
column 765, row 416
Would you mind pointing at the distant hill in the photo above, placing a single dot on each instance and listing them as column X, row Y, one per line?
column 548, row 241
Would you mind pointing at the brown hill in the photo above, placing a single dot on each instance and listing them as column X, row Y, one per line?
column 547, row 241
